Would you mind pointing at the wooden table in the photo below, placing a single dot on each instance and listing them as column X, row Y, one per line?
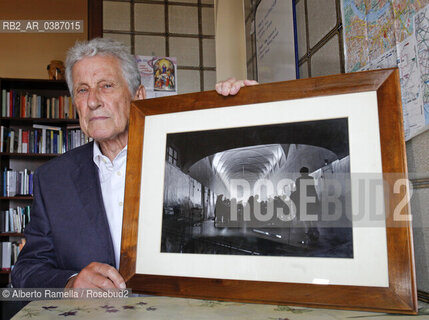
column 179, row 308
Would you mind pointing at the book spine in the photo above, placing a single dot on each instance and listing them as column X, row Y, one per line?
column 21, row 106
column 30, row 183
column 41, row 126
column 48, row 141
column 34, row 100
column 57, row 108
column 43, row 140
column 11, row 141
column 25, row 189
column 53, row 108
column 60, row 142
column 4, row 177
column 8, row 104
column 2, row 213
column 61, row 107
column 67, row 106
column 19, row 149
column 25, row 141
column 54, row 142
column 11, row 94
column 39, row 107
column 2, row 131
column 3, row 103
column 47, row 108
column 28, row 105
column 19, row 183
column 74, row 109
column 30, row 145
column 6, row 256
column 38, row 140
column 16, row 104
column 7, row 224
column 11, row 183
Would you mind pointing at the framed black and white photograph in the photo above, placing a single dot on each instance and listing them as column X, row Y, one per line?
column 277, row 195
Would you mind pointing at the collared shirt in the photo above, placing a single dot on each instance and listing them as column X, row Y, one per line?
column 112, row 181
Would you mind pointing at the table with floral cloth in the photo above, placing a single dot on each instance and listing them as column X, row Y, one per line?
column 179, row 308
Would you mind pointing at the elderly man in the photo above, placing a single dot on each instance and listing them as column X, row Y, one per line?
column 74, row 237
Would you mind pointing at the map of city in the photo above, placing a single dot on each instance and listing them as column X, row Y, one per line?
column 392, row 33
column 422, row 39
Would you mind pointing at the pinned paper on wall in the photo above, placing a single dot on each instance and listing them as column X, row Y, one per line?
column 275, row 43
column 158, row 75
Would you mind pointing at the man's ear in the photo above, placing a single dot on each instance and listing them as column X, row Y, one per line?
column 140, row 93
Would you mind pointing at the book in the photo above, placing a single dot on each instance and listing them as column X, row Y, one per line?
column 8, row 104
column 6, row 254
column 11, row 98
column 51, row 141
column 10, row 183
column 19, row 149
column 30, row 184
column 27, row 105
column 60, row 108
column 21, row 106
column 2, row 221
column 34, row 99
column 40, row 112
column 54, row 108
column 48, row 109
column 45, row 148
column 16, row 104
column 25, row 141
column 3, row 103
column 61, row 148
column 41, row 126
column 11, row 140
column 3, row 184
column 2, row 131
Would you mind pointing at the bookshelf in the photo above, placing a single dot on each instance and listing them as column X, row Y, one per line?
column 42, row 103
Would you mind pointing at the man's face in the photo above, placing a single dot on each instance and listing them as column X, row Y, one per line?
column 101, row 97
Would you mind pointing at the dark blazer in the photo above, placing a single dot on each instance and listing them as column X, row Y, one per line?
column 68, row 226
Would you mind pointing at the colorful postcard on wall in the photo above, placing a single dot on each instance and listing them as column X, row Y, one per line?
column 159, row 75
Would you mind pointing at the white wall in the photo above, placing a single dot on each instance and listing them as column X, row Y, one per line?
column 418, row 167
column 230, row 39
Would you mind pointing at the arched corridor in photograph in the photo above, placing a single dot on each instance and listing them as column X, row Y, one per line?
column 258, row 190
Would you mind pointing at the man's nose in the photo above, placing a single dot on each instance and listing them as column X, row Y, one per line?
column 93, row 98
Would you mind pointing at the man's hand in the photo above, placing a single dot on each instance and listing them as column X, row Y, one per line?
column 232, row 86
column 97, row 275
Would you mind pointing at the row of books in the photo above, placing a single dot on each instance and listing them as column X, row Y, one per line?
column 14, row 219
column 9, row 252
column 24, row 105
column 41, row 139
column 15, row 183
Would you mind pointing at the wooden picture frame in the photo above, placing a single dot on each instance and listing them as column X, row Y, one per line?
column 399, row 296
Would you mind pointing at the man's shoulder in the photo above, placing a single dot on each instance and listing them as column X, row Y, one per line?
column 69, row 160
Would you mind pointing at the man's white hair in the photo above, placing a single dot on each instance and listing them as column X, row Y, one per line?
column 104, row 47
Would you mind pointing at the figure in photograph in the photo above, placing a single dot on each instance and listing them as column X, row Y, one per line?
column 307, row 203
